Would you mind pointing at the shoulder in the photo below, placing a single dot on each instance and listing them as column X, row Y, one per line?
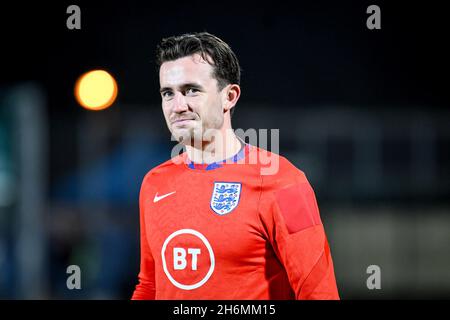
column 277, row 171
column 164, row 169
column 288, row 197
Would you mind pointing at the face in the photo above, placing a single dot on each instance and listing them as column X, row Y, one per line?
column 191, row 100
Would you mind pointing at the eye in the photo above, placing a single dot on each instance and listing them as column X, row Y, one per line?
column 166, row 94
column 191, row 91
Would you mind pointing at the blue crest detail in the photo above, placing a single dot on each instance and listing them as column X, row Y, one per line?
column 225, row 197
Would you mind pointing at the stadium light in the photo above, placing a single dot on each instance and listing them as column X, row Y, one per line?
column 96, row 90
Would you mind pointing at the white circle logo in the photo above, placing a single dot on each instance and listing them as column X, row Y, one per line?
column 211, row 257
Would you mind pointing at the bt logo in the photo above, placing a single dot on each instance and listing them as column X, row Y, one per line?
column 188, row 259
column 179, row 258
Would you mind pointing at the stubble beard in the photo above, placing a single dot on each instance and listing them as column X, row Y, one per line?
column 190, row 136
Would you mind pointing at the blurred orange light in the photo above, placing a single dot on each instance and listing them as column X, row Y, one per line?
column 96, row 90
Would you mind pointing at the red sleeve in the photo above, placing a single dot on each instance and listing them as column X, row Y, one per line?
column 292, row 223
column 145, row 289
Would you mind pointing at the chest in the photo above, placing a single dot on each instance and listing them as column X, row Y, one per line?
column 204, row 216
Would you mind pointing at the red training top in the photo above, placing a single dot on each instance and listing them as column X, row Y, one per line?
column 244, row 228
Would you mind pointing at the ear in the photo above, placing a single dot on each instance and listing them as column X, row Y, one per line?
column 231, row 94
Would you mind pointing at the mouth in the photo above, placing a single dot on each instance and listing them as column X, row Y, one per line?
column 181, row 121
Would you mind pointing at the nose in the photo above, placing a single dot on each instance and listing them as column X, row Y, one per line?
column 179, row 103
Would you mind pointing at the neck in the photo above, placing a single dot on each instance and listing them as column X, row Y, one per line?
column 221, row 147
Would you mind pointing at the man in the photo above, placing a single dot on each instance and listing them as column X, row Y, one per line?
column 214, row 225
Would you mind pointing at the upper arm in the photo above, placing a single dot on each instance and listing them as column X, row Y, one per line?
column 291, row 218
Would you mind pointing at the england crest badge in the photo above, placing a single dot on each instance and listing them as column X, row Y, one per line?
column 225, row 197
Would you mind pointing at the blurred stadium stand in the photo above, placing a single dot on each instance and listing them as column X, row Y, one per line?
column 381, row 179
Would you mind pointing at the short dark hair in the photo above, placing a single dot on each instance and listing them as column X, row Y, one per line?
column 225, row 63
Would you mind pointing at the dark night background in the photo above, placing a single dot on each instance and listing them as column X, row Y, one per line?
column 313, row 63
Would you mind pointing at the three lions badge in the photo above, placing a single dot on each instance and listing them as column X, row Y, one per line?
column 225, row 197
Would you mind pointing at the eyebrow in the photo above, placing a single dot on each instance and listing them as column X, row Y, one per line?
column 183, row 86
